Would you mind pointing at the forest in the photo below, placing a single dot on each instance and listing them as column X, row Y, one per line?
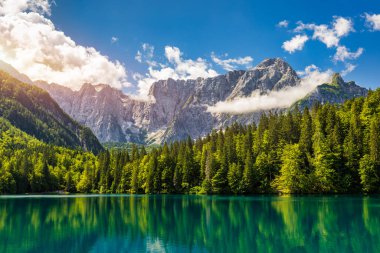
column 326, row 149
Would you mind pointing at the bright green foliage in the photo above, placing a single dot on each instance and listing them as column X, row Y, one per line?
column 234, row 178
column 292, row 177
column 327, row 149
column 369, row 174
column 248, row 180
column 324, row 159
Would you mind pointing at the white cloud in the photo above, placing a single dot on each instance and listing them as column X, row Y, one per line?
column 329, row 35
column 373, row 21
column 320, row 32
column 296, row 43
column 114, row 40
column 233, row 63
column 176, row 68
column 31, row 43
column 343, row 26
column 326, row 36
column 173, row 54
column 283, row 23
column 12, row 7
column 342, row 54
column 311, row 78
column 349, row 68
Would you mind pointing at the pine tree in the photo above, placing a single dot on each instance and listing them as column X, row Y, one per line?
column 220, row 181
column 105, row 172
column 293, row 177
column 305, row 141
column 234, row 178
column 248, row 181
column 166, row 167
column 324, row 161
column 370, row 164
column 353, row 148
column 210, row 169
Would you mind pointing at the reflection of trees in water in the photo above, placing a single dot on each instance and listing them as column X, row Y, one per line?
column 214, row 224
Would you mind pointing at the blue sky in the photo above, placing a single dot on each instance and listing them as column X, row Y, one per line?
column 239, row 28
column 130, row 44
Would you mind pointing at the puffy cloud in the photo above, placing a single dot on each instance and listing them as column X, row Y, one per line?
column 296, row 43
column 11, row 7
column 321, row 32
column 173, row 54
column 343, row 26
column 343, row 54
column 329, row 35
column 31, row 43
column 311, row 78
column 232, row 63
column 283, row 23
column 373, row 21
column 326, row 35
column 176, row 68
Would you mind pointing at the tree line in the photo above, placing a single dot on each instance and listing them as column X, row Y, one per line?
column 325, row 149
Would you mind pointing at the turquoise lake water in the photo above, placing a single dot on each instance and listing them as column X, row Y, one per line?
column 141, row 223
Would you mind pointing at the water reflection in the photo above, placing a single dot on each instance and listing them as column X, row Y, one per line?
column 189, row 224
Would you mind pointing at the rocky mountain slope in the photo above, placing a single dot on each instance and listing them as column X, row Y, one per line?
column 179, row 108
column 34, row 112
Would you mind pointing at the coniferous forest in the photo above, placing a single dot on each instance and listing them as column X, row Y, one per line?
column 324, row 149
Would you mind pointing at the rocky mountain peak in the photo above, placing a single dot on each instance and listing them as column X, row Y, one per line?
column 277, row 63
column 337, row 80
column 271, row 74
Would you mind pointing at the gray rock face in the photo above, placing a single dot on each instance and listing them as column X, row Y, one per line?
column 180, row 107
column 270, row 75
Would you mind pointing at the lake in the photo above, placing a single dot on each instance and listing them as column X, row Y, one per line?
column 164, row 223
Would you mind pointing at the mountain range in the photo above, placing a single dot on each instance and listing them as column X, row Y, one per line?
column 179, row 108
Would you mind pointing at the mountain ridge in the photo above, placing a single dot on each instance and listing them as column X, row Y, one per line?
column 178, row 108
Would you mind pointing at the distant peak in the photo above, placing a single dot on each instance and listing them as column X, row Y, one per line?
column 272, row 61
column 277, row 63
column 337, row 79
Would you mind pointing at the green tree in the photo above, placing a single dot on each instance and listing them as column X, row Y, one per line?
column 324, row 163
column 234, row 178
column 293, row 177
column 248, row 180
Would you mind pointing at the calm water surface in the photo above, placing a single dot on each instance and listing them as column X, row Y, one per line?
column 124, row 223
